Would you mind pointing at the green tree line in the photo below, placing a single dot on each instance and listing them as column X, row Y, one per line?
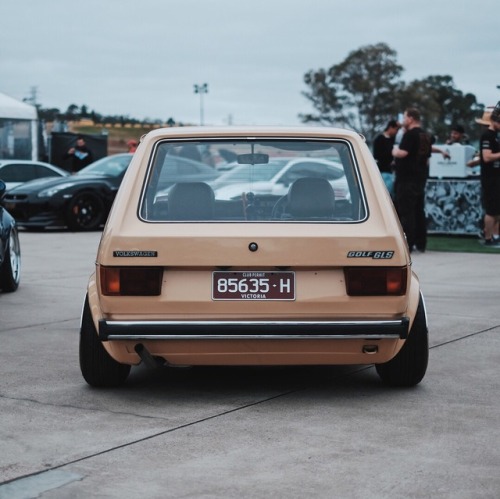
column 365, row 91
column 76, row 113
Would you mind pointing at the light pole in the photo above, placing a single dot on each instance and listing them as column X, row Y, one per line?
column 201, row 89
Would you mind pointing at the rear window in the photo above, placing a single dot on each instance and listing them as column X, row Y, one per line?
column 253, row 181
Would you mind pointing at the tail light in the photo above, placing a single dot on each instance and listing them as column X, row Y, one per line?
column 376, row 281
column 131, row 281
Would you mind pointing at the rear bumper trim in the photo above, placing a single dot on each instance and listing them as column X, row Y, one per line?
column 244, row 330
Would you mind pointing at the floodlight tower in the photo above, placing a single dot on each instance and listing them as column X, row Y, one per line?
column 201, row 89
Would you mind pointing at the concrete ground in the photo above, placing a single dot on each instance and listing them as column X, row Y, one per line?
column 246, row 432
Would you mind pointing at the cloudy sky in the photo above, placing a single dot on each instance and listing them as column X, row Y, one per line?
column 142, row 58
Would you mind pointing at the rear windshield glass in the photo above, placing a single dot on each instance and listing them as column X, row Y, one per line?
column 253, row 181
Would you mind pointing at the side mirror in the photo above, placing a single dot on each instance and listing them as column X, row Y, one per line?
column 3, row 188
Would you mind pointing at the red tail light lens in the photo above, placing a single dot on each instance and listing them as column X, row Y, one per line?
column 376, row 281
column 131, row 281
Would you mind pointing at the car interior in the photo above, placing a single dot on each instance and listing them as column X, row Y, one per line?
column 274, row 182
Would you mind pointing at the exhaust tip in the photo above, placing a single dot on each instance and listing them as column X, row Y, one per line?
column 147, row 358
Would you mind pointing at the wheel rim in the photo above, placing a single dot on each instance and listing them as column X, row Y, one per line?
column 15, row 256
column 86, row 211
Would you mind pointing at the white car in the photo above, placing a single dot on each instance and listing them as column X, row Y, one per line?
column 276, row 177
column 15, row 172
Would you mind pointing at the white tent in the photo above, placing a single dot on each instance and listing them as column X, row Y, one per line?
column 12, row 108
column 18, row 129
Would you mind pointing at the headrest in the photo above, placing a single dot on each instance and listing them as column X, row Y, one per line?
column 311, row 197
column 191, row 201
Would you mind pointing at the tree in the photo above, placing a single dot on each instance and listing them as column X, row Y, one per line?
column 72, row 113
column 49, row 114
column 84, row 111
column 95, row 117
column 442, row 105
column 360, row 92
column 365, row 91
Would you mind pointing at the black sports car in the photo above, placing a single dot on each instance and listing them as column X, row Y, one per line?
column 79, row 202
column 10, row 249
column 82, row 201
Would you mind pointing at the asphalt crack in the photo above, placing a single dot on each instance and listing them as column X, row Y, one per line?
column 152, row 436
column 197, row 421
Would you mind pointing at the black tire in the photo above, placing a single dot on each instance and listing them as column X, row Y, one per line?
column 98, row 368
column 408, row 367
column 10, row 271
column 85, row 212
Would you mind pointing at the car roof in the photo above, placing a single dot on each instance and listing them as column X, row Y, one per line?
column 4, row 162
column 207, row 132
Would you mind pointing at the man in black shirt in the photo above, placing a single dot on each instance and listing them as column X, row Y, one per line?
column 382, row 152
column 489, row 154
column 80, row 154
column 412, row 169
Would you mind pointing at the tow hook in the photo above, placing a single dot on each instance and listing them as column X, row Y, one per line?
column 370, row 349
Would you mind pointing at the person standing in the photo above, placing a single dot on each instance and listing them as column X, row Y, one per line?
column 489, row 155
column 412, row 170
column 80, row 155
column 132, row 145
column 457, row 136
column 382, row 152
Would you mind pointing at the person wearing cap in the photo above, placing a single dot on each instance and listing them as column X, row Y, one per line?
column 382, row 152
column 489, row 154
column 132, row 145
column 457, row 136
column 484, row 121
column 485, row 118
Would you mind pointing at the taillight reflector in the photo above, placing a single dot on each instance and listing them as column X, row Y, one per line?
column 376, row 281
column 131, row 281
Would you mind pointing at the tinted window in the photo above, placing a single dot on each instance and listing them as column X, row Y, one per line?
column 43, row 171
column 18, row 173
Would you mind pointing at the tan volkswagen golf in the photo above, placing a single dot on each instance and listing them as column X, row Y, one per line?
column 253, row 246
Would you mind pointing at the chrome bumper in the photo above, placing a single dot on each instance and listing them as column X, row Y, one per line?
column 254, row 330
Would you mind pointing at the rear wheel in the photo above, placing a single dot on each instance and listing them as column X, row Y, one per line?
column 10, row 271
column 98, row 368
column 85, row 212
column 408, row 367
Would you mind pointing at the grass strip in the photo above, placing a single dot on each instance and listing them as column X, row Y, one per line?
column 463, row 244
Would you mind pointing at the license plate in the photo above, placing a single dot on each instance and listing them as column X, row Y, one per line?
column 253, row 285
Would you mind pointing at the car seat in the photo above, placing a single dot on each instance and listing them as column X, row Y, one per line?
column 191, row 201
column 309, row 198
